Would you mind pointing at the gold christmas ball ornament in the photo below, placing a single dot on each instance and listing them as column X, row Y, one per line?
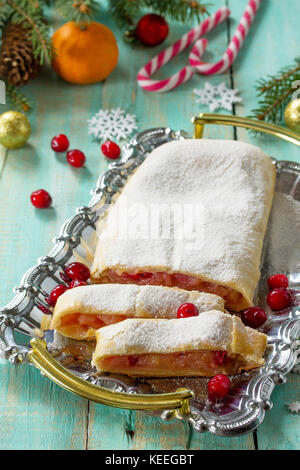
column 292, row 115
column 15, row 129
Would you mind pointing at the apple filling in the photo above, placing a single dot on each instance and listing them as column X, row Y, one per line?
column 78, row 324
column 233, row 299
column 190, row 363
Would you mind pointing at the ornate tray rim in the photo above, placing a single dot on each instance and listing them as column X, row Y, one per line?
column 260, row 387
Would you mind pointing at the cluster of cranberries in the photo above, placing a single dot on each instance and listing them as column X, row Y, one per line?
column 60, row 143
column 278, row 299
column 41, row 199
column 279, row 296
column 77, row 274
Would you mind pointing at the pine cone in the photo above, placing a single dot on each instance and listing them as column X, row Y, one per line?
column 17, row 62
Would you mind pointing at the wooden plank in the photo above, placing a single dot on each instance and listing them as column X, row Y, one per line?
column 135, row 430
column 3, row 156
column 271, row 45
column 280, row 429
column 36, row 414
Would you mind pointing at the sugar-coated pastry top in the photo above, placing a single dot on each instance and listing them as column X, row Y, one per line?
column 131, row 300
column 213, row 330
column 229, row 185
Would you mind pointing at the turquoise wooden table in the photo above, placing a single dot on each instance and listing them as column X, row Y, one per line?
column 35, row 413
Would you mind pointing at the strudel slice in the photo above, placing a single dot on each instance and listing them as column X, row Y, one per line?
column 81, row 311
column 212, row 343
column 194, row 216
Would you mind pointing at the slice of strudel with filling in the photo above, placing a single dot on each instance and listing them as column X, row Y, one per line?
column 193, row 216
column 81, row 311
column 210, row 344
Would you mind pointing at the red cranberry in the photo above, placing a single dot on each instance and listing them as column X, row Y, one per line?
column 279, row 298
column 278, row 280
column 76, row 158
column 77, row 271
column 218, row 386
column 60, row 143
column 220, row 357
column 41, row 199
column 76, row 283
column 187, row 310
column 254, row 317
column 57, row 292
column 110, row 149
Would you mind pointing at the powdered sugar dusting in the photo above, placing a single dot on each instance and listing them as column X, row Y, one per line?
column 129, row 299
column 97, row 298
column 211, row 330
column 162, row 302
column 233, row 181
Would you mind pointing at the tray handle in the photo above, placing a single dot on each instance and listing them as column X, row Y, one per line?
column 259, row 126
column 43, row 360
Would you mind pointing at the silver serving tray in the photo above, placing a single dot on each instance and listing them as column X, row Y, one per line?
column 244, row 409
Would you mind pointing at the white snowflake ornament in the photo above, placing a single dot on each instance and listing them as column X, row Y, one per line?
column 217, row 97
column 113, row 123
column 294, row 407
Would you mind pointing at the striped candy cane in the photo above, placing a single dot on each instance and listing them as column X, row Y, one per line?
column 165, row 56
column 233, row 49
column 144, row 75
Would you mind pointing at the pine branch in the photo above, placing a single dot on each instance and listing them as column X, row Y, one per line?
column 80, row 11
column 5, row 13
column 275, row 92
column 126, row 11
column 30, row 14
column 16, row 98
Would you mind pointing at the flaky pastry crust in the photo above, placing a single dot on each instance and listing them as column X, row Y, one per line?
column 125, row 300
column 210, row 331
